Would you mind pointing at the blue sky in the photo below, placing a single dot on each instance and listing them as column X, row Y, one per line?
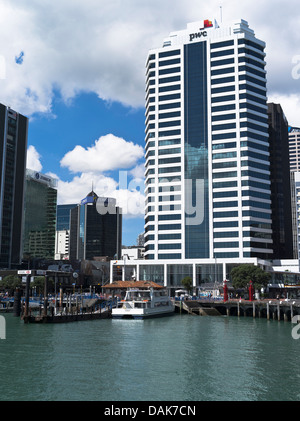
column 77, row 70
column 80, row 122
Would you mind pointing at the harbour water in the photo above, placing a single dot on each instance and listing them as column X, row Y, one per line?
column 178, row 358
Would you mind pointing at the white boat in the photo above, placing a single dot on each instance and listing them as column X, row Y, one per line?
column 144, row 303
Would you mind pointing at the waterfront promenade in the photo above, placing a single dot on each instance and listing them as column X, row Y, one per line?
column 267, row 308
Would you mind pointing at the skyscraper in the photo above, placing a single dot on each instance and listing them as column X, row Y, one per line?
column 62, row 236
column 13, row 146
column 280, row 183
column 95, row 229
column 207, row 173
column 294, row 148
column 40, row 216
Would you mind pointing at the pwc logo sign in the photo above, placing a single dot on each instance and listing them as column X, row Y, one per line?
column 207, row 24
column 203, row 33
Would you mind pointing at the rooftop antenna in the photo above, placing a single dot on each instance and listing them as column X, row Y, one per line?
column 221, row 17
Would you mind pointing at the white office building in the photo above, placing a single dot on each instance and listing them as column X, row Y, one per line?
column 207, row 187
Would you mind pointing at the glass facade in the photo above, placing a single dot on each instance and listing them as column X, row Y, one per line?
column 207, row 133
column 196, row 151
column 13, row 146
column 40, row 218
column 63, row 217
column 152, row 273
column 176, row 273
column 95, row 234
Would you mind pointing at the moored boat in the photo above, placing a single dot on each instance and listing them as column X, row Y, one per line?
column 144, row 303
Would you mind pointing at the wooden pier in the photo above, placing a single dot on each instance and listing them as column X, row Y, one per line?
column 67, row 318
column 269, row 309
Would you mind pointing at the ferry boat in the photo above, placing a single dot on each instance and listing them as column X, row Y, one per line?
column 144, row 303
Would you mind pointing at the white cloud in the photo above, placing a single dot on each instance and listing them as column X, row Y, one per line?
column 98, row 46
column 33, row 159
column 290, row 105
column 138, row 171
column 107, row 154
column 130, row 197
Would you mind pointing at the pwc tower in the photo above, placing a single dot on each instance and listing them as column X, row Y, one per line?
column 207, row 189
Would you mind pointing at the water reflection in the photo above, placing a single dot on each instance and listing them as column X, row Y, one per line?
column 176, row 358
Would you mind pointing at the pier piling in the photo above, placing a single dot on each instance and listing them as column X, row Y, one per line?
column 17, row 303
column 26, row 310
column 45, row 297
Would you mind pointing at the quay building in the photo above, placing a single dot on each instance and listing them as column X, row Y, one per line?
column 207, row 170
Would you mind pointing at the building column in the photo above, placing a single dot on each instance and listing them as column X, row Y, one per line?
column 165, row 275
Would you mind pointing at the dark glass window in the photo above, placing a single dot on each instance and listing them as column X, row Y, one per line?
column 196, row 151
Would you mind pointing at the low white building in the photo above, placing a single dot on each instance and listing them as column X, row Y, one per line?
column 62, row 239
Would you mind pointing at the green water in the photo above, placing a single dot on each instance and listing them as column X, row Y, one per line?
column 178, row 358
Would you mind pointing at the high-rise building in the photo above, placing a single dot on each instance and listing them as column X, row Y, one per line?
column 40, row 216
column 63, row 217
column 296, row 203
column 282, row 233
column 62, row 236
column 95, row 229
column 208, row 188
column 294, row 148
column 13, row 146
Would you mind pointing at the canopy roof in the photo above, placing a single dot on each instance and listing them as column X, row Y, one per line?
column 132, row 284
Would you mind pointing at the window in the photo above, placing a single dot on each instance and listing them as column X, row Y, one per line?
column 169, row 227
column 170, row 246
column 223, row 80
column 170, row 70
column 224, row 117
column 173, row 123
column 223, row 89
column 227, row 126
column 229, row 52
column 169, row 97
column 169, row 79
column 169, row 53
column 221, row 44
column 222, row 62
column 169, row 62
column 223, row 98
column 169, row 88
column 170, row 115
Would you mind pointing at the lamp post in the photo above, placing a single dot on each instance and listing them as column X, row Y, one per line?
column 251, row 291
column 225, row 291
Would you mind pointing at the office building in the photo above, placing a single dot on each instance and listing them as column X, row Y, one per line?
column 63, row 217
column 282, row 233
column 207, row 175
column 62, row 236
column 95, row 229
column 13, row 147
column 294, row 148
column 40, row 216
column 208, row 188
column 296, row 176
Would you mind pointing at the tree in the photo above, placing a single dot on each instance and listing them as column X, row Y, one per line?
column 243, row 274
column 39, row 283
column 187, row 282
column 11, row 282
